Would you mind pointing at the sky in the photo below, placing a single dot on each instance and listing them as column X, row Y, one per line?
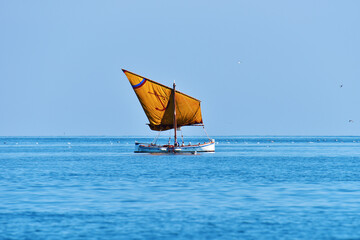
column 259, row 67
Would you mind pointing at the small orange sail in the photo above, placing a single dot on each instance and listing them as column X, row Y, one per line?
column 157, row 102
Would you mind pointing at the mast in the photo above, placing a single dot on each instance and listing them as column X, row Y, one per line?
column 175, row 123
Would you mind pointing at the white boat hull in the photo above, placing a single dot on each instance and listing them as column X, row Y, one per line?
column 151, row 148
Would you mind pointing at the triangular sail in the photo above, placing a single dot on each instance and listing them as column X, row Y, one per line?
column 157, row 102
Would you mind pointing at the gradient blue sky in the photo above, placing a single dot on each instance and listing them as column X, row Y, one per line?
column 60, row 65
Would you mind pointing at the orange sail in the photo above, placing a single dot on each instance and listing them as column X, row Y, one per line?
column 157, row 102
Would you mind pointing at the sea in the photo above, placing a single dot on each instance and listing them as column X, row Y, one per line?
column 252, row 187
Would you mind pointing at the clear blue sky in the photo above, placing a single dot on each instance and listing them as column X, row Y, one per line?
column 60, row 65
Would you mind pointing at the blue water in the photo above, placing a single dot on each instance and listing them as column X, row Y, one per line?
column 251, row 188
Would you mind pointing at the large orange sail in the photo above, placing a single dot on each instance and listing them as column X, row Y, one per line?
column 157, row 102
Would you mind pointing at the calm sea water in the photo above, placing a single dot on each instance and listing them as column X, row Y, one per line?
column 251, row 188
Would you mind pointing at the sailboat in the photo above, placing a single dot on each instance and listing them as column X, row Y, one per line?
column 167, row 109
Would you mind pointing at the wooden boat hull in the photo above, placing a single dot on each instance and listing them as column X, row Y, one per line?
column 151, row 148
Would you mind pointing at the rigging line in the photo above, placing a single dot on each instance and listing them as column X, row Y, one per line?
column 206, row 133
column 156, row 138
column 169, row 137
